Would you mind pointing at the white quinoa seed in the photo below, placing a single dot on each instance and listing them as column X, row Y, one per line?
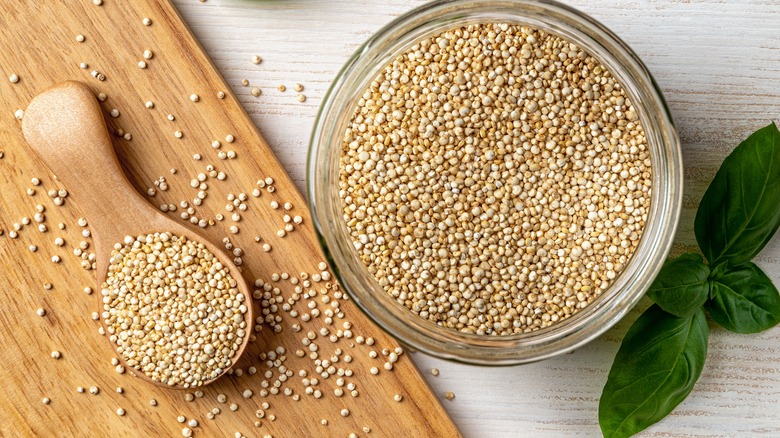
column 219, row 317
column 523, row 191
column 14, row 78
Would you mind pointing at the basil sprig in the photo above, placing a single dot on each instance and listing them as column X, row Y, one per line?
column 663, row 353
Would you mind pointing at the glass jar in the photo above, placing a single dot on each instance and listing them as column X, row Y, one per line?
column 569, row 333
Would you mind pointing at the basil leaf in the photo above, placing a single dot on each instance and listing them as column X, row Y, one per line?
column 739, row 211
column 681, row 287
column 656, row 367
column 744, row 300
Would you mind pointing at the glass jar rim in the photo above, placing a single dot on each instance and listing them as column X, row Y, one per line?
column 575, row 330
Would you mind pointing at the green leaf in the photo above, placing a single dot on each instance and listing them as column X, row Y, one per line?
column 681, row 287
column 744, row 300
column 739, row 211
column 656, row 367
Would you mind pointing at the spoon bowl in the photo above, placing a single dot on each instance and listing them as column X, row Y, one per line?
column 65, row 127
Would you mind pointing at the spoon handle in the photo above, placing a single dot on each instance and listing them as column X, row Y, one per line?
column 65, row 127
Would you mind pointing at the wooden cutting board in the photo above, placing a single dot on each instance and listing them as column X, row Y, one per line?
column 40, row 46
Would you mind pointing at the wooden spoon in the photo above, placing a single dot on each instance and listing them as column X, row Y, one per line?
column 65, row 126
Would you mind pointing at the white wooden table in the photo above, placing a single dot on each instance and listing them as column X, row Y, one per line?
column 718, row 63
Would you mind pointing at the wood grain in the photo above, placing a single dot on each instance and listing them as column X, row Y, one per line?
column 42, row 50
column 718, row 64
